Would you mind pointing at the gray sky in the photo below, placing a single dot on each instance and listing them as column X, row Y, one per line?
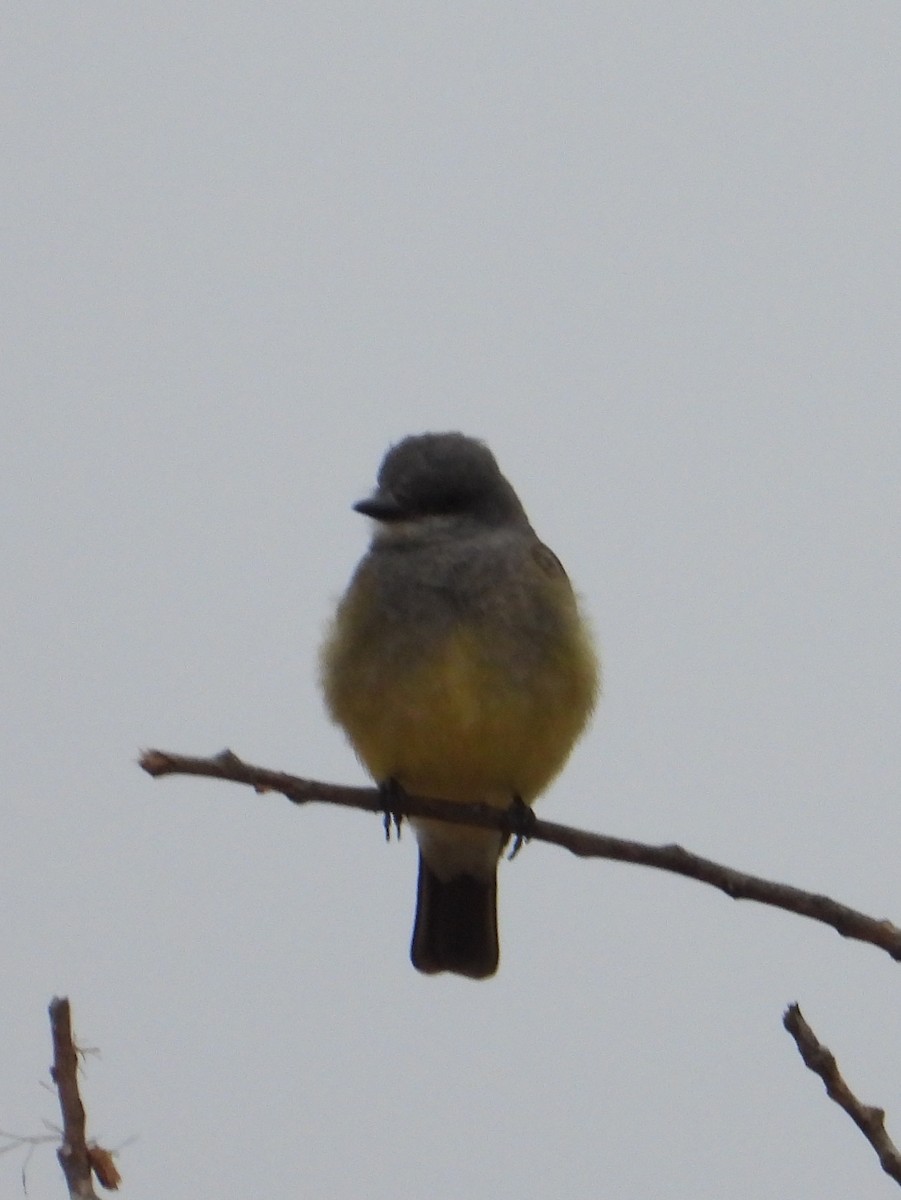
column 651, row 254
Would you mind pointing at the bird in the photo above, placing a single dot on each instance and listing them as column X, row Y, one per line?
column 460, row 667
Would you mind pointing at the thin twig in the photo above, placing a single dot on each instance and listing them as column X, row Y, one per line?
column 15, row 1141
column 869, row 1120
column 737, row 884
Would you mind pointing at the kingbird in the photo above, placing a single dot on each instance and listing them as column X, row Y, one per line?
column 460, row 667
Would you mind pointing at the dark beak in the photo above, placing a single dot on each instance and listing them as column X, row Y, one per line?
column 381, row 506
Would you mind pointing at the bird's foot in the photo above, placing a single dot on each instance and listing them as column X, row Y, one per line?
column 522, row 822
column 391, row 790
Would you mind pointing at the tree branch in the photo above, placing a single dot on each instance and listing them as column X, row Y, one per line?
column 870, row 1121
column 73, row 1153
column 78, row 1159
column 737, row 884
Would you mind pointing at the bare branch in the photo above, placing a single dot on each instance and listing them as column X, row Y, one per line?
column 77, row 1157
column 737, row 884
column 73, row 1153
column 870, row 1121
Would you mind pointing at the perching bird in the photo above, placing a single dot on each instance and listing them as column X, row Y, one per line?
column 460, row 668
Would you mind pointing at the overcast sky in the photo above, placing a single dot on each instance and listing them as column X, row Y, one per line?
column 650, row 253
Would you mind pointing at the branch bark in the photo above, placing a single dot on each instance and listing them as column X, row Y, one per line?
column 80, row 1160
column 737, row 884
column 73, row 1153
column 869, row 1120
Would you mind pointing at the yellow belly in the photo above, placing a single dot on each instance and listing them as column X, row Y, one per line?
column 465, row 725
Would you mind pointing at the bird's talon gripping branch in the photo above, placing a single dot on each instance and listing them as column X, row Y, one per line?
column 522, row 824
column 391, row 790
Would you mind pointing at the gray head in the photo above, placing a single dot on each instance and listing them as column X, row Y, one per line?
column 442, row 474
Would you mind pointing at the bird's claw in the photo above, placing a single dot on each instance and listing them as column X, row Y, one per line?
column 522, row 825
column 391, row 790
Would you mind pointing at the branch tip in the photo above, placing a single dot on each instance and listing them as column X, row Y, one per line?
column 869, row 1119
column 73, row 1154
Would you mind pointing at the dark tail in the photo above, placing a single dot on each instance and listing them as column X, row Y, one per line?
column 456, row 925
